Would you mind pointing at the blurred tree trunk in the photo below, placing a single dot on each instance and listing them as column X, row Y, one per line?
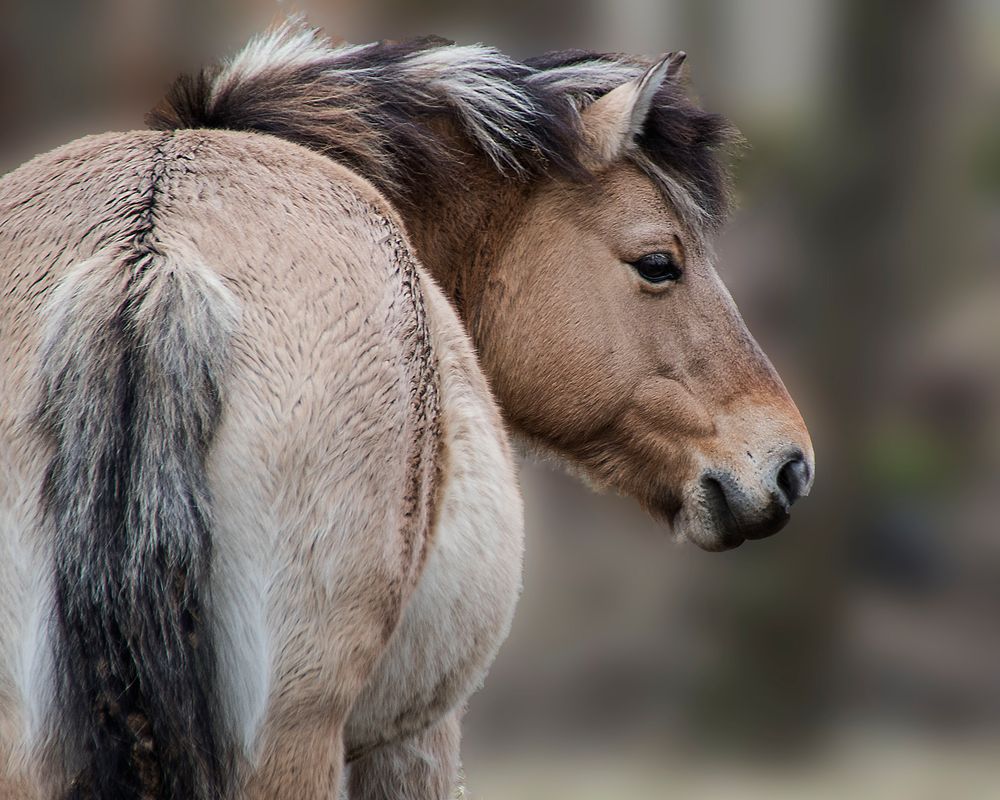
column 889, row 229
column 893, row 231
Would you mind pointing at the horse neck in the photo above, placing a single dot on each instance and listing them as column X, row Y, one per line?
column 455, row 228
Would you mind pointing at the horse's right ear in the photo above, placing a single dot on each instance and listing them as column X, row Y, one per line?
column 611, row 123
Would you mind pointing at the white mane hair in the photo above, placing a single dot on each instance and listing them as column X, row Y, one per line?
column 371, row 106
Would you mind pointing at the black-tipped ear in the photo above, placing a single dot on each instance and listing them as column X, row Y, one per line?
column 611, row 123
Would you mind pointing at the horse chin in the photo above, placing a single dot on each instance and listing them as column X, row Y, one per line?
column 716, row 541
column 706, row 524
column 691, row 515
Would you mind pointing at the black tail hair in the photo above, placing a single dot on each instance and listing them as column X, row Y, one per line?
column 130, row 398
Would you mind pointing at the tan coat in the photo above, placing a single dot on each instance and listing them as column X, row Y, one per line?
column 366, row 518
column 259, row 531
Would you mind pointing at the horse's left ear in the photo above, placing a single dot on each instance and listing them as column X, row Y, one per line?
column 611, row 123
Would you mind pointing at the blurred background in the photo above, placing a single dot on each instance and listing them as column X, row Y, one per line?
column 859, row 650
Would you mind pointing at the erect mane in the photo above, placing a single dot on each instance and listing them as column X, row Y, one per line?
column 377, row 108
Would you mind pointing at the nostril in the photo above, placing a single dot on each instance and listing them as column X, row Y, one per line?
column 793, row 477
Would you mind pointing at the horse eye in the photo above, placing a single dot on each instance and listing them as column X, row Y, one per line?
column 658, row 268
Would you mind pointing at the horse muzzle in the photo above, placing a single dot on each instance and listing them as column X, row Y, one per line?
column 730, row 510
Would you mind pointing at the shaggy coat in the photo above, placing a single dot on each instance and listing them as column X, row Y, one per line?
column 199, row 435
column 260, row 534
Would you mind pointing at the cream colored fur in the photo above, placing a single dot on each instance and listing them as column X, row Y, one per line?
column 347, row 616
column 462, row 608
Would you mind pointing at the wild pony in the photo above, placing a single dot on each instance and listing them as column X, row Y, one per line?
column 261, row 533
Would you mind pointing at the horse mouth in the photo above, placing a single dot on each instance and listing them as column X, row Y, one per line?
column 717, row 513
column 719, row 518
column 705, row 520
column 729, row 528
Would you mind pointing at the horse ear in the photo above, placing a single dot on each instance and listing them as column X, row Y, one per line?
column 611, row 123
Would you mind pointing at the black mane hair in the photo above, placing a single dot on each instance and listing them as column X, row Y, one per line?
column 376, row 108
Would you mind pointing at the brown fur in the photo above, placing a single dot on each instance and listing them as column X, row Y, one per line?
column 365, row 516
column 619, row 360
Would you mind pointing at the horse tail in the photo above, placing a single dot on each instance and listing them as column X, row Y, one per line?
column 132, row 360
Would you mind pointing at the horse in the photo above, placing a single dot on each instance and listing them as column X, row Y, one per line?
column 264, row 362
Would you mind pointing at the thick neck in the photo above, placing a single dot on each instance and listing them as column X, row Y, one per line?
column 456, row 228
